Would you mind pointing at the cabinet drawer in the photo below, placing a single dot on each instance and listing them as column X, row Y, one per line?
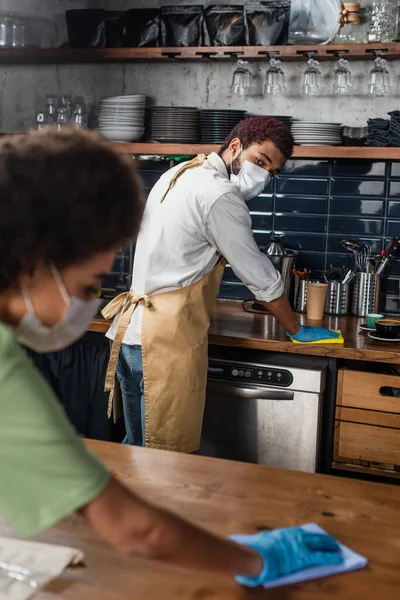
column 354, row 441
column 359, row 389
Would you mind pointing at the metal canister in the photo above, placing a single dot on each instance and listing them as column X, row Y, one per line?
column 338, row 298
column 366, row 294
column 300, row 294
column 283, row 260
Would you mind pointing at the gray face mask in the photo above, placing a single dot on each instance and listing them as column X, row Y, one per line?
column 78, row 313
column 251, row 179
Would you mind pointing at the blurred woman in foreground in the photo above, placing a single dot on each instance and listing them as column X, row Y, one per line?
column 68, row 202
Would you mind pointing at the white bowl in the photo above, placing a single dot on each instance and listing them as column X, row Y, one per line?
column 127, row 98
column 128, row 103
column 123, row 102
column 121, row 127
column 124, row 115
column 125, row 105
column 134, row 132
column 118, row 135
column 134, row 128
column 128, row 115
column 123, row 134
column 121, row 118
column 118, row 124
column 122, row 109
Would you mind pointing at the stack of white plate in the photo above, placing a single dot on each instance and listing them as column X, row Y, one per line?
column 316, row 134
column 121, row 118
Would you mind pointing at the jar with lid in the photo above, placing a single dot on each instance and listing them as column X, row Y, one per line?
column 52, row 106
column 354, row 33
column 19, row 32
column 398, row 21
column 364, row 14
column 42, row 119
column 80, row 117
column 6, row 22
column 382, row 22
column 354, row 21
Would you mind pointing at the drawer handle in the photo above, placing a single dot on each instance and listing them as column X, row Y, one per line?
column 391, row 392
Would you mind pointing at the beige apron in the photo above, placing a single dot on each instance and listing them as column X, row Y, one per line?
column 174, row 353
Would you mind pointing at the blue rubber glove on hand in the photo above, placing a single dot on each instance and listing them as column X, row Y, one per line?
column 309, row 333
column 285, row 551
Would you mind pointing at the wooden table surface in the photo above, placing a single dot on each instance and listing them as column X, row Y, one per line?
column 227, row 497
column 232, row 326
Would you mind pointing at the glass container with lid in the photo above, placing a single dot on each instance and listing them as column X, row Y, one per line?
column 382, row 22
column 354, row 33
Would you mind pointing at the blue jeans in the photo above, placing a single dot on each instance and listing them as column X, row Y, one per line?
column 130, row 377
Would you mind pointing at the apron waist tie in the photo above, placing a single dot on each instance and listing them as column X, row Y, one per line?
column 125, row 304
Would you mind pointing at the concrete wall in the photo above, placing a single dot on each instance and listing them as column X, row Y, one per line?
column 23, row 88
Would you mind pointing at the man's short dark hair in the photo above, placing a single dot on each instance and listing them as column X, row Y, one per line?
column 64, row 196
column 255, row 130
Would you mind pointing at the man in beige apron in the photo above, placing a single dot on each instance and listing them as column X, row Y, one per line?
column 196, row 219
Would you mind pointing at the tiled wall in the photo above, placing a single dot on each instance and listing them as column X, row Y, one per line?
column 315, row 204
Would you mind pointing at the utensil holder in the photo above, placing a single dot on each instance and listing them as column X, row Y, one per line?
column 300, row 294
column 366, row 294
column 284, row 264
column 338, row 298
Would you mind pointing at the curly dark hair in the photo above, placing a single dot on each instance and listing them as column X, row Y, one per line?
column 256, row 130
column 64, row 196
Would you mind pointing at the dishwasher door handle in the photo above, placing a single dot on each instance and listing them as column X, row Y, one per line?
column 252, row 393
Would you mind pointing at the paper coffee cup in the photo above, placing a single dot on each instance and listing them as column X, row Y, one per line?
column 316, row 296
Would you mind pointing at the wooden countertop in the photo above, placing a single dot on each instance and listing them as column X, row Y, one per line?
column 227, row 497
column 232, row 326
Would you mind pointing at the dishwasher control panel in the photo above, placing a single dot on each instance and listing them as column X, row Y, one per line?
column 250, row 373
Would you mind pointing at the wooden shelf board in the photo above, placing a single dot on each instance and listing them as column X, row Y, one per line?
column 345, row 152
column 72, row 55
column 166, row 149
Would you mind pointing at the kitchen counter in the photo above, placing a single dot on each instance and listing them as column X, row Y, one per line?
column 232, row 326
column 227, row 497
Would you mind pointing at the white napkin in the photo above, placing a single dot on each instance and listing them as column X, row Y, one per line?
column 351, row 562
column 26, row 567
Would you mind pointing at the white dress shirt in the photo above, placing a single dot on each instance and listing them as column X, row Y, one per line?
column 181, row 239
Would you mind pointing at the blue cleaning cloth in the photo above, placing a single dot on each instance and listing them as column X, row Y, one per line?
column 351, row 562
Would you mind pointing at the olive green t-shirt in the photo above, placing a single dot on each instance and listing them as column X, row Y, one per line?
column 46, row 473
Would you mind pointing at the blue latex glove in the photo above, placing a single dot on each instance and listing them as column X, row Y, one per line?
column 285, row 551
column 309, row 333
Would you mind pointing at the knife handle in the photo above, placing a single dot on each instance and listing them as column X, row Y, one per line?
column 391, row 246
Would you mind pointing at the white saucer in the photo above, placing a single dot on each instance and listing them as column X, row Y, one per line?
column 365, row 328
column 379, row 339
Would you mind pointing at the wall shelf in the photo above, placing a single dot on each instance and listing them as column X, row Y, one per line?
column 70, row 55
column 326, row 152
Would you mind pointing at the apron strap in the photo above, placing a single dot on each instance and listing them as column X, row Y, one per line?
column 125, row 304
column 198, row 161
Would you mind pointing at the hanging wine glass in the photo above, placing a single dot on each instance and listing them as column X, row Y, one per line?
column 275, row 78
column 379, row 80
column 312, row 79
column 242, row 79
column 342, row 83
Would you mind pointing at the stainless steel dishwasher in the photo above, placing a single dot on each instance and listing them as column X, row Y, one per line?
column 264, row 408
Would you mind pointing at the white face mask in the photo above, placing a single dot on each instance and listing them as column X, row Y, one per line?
column 251, row 179
column 78, row 313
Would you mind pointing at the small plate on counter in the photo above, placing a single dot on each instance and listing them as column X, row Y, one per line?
column 364, row 327
column 375, row 337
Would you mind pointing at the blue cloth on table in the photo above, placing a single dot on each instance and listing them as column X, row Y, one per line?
column 351, row 562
